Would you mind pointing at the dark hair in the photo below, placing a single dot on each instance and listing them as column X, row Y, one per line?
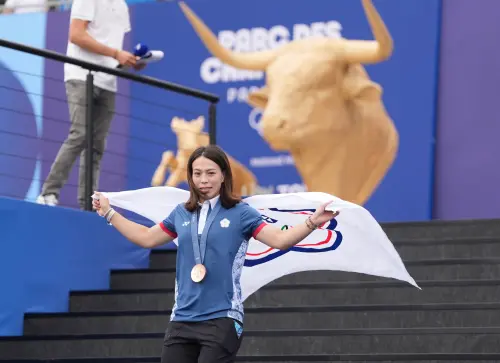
column 214, row 153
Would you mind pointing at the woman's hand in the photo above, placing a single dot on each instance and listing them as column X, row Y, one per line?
column 134, row 232
column 321, row 215
column 100, row 204
column 283, row 240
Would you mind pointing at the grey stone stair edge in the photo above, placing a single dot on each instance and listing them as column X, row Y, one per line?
column 441, row 228
column 267, row 333
column 409, row 252
column 476, row 262
column 438, row 230
column 428, row 241
column 294, row 296
column 442, row 223
column 392, row 283
column 141, row 270
column 320, row 358
column 449, row 269
column 265, row 346
column 396, row 242
column 292, row 309
column 425, row 272
column 257, row 321
column 444, row 261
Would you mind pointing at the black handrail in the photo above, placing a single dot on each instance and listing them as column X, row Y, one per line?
column 114, row 71
column 213, row 99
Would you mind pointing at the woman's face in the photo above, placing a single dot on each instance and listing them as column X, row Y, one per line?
column 207, row 177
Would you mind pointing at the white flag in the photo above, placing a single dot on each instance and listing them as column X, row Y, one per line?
column 352, row 242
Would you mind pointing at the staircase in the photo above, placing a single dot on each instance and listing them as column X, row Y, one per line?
column 316, row 316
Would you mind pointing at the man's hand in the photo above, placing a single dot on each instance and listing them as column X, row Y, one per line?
column 126, row 59
column 140, row 66
column 78, row 35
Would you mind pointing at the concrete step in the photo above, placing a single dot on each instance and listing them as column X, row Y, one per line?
column 432, row 269
column 442, row 230
column 305, row 317
column 269, row 342
column 162, row 259
column 449, row 248
column 335, row 293
column 409, row 250
column 317, row 358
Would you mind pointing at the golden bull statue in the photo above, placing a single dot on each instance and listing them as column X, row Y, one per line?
column 189, row 138
column 320, row 105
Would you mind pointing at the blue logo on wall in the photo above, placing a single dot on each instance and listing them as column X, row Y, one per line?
column 19, row 142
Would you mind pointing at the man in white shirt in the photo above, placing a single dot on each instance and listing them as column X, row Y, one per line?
column 97, row 30
column 24, row 6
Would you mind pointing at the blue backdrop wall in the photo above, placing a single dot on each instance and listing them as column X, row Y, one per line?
column 47, row 252
column 408, row 78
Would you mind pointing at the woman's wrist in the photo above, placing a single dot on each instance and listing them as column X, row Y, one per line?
column 109, row 214
column 311, row 224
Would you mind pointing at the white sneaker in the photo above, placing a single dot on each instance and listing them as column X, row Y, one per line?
column 49, row 199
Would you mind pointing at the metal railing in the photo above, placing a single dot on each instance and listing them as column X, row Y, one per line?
column 91, row 67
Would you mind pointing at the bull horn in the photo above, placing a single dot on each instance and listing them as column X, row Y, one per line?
column 361, row 51
column 257, row 61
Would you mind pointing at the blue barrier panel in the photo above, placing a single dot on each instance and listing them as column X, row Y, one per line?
column 47, row 252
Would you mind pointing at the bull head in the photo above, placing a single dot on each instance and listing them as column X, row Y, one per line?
column 320, row 105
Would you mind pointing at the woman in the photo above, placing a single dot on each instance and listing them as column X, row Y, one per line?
column 213, row 229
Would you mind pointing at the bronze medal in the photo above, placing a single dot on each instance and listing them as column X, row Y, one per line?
column 198, row 272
